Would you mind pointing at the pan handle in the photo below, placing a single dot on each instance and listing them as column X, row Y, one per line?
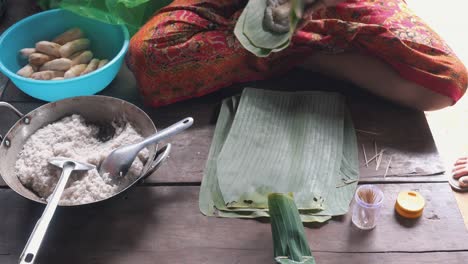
column 161, row 156
column 13, row 109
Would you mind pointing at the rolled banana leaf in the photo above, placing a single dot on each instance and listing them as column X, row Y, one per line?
column 289, row 241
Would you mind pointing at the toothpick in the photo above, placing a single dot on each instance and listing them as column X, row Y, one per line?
column 376, row 151
column 375, row 147
column 365, row 155
column 367, row 132
column 388, row 166
column 379, row 160
column 374, row 157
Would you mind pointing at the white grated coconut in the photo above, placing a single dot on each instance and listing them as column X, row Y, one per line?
column 71, row 137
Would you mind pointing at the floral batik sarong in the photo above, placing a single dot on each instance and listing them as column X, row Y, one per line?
column 188, row 48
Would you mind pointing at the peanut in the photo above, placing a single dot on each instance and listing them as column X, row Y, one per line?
column 75, row 71
column 26, row 71
column 34, row 67
column 102, row 63
column 57, row 78
column 61, row 64
column 47, row 75
column 92, row 66
column 83, row 57
column 74, row 46
column 49, row 48
column 38, row 59
column 69, row 35
column 24, row 53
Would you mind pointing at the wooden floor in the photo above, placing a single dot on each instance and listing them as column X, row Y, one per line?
column 159, row 220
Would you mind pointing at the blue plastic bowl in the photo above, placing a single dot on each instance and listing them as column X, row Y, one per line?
column 107, row 42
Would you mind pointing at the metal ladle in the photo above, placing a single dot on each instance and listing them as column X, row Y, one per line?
column 35, row 240
column 118, row 162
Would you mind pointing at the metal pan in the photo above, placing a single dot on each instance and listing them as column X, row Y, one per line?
column 101, row 110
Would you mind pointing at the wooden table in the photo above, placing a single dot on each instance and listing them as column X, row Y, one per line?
column 159, row 220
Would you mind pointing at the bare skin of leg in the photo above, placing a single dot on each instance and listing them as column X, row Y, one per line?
column 377, row 77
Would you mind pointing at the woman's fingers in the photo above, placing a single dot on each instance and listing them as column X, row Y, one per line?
column 460, row 171
column 463, row 181
column 461, row 161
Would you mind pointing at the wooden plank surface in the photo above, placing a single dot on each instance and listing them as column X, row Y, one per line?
column 165, row 221
column 244, row 256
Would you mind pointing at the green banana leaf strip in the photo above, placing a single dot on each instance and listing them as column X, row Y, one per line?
column 289, row 241
column 211, row 200
column 132, row 13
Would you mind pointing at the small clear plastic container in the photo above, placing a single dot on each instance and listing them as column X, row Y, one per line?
column 365, row 214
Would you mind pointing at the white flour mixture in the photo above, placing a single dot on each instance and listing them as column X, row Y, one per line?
column 71, row 137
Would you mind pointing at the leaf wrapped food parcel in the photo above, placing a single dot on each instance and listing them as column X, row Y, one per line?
column 267, row 26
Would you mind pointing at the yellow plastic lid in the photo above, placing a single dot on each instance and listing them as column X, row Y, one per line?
column 410, row 204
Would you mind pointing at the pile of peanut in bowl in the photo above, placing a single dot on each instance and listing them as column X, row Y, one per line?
column 66, row 56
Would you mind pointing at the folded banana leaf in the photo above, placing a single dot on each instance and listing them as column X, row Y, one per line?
column 256, row 36
column 289, row 241
column 269, row 141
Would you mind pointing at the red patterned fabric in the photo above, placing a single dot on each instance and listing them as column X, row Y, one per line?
column 188, row 48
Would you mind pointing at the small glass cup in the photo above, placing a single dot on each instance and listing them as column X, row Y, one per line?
column 365, row 215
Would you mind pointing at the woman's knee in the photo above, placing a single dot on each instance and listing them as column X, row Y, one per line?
column 379, row 78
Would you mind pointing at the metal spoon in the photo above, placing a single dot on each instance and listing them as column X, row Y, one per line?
column 37, row 235
column 119, row 160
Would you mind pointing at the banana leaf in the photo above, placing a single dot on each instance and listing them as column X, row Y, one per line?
column 255, row 37
column 333, row 190
column 239, row 33
column 289, row 241
column 132, row 13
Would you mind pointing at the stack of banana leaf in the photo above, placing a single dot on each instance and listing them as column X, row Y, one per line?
column 281, row 142
column 267, row 26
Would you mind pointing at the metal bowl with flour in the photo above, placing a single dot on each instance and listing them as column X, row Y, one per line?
column 100, row 110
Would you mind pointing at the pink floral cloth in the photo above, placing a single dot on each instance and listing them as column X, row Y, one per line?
column 188, row 48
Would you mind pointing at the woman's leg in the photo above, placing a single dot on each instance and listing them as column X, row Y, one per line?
column 383, row 47
column 377, row 77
